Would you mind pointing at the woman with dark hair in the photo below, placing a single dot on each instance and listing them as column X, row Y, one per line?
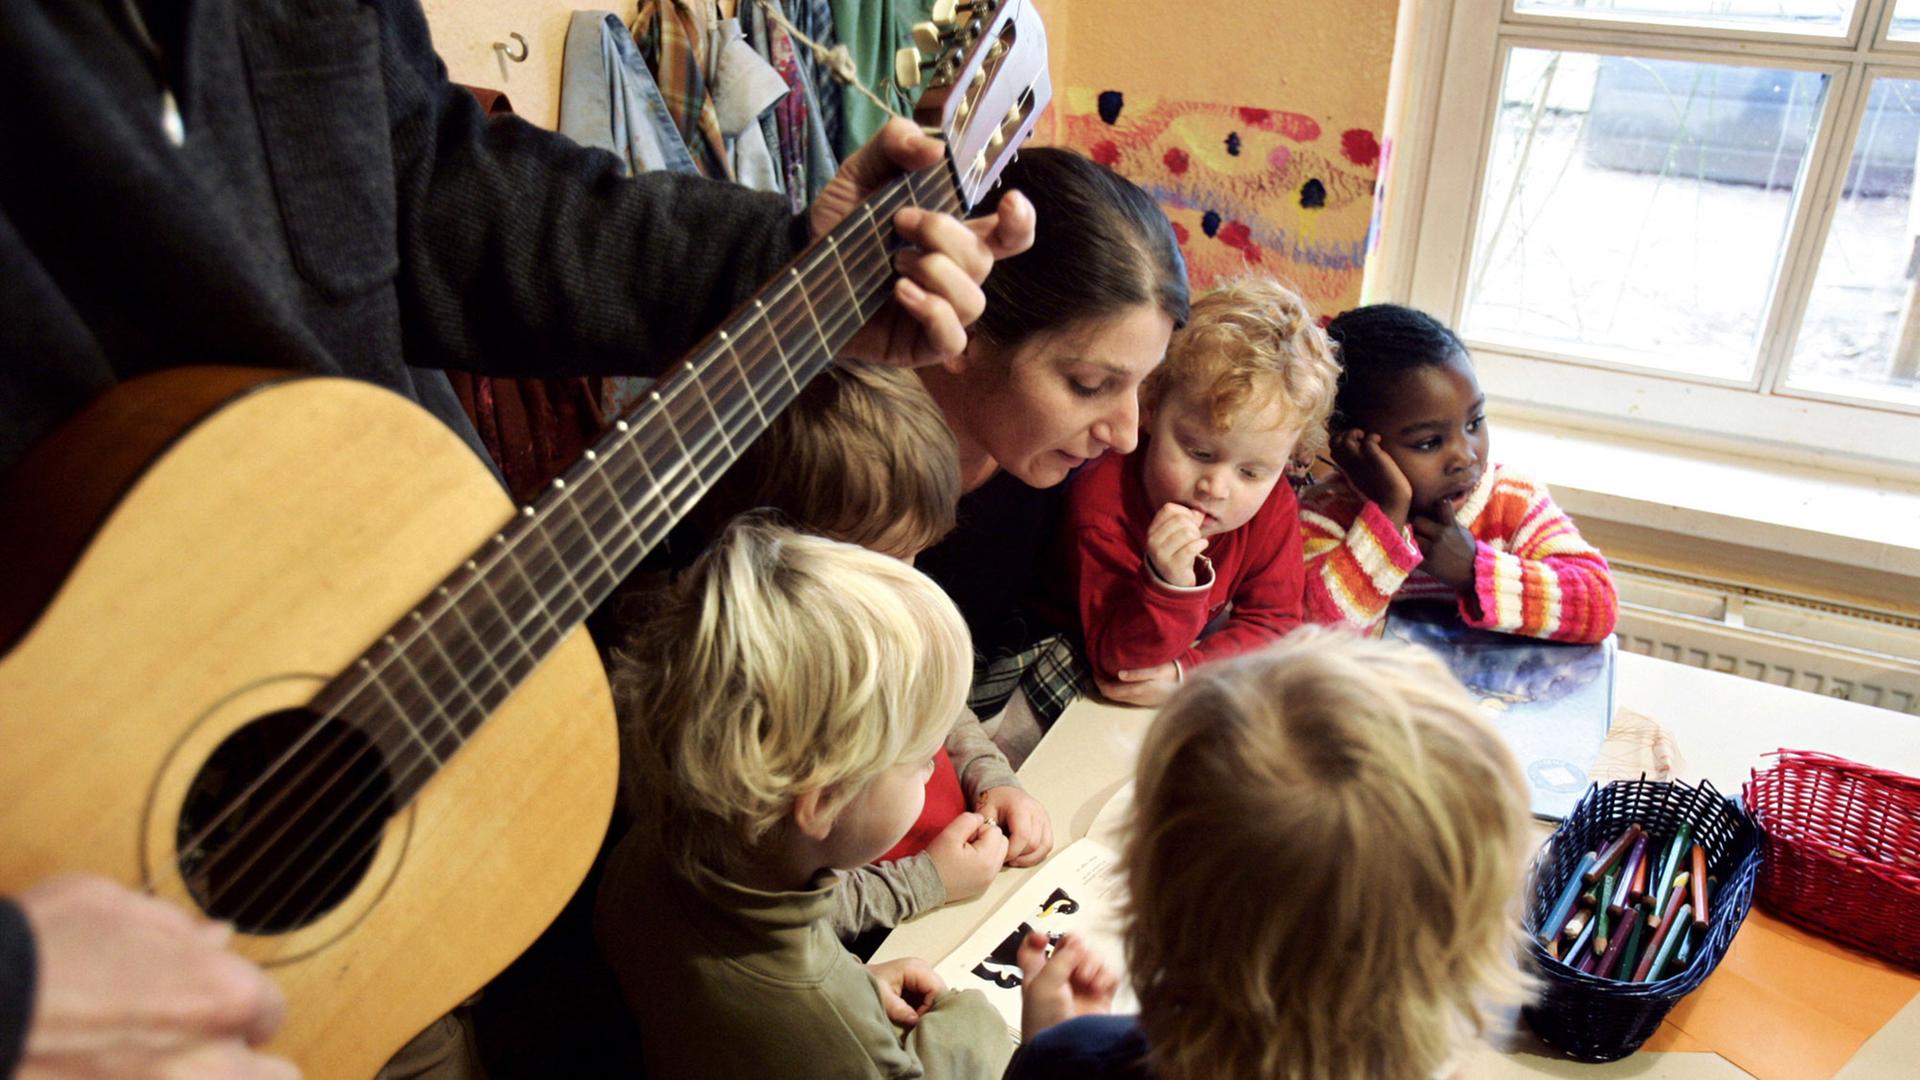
column 1050, row 379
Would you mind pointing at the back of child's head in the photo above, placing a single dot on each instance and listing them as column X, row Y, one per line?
column 1379, row 344
column 862, row 455
column 779, row 663
column 1327, row 849
column 1249, row 345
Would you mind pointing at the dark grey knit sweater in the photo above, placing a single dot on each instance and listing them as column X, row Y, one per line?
column 337, row 207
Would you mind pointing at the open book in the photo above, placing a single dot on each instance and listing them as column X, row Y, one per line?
column 1077, row 890
column 1552, row 701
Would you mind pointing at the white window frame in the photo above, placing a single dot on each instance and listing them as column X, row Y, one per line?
column 1447, row 75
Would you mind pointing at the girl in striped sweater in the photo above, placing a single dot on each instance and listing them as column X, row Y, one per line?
column 1418, row 512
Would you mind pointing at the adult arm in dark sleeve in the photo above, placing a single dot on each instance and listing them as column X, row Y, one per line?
column 522, row 252
column 16, row 985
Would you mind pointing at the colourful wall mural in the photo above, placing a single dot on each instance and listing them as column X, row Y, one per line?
column 1257, row 126
column 1246, row 187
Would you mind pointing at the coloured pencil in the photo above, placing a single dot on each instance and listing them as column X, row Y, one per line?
column 1611, row 854
column 1613, row 962
column 1632, row 934
column 1670, row 862
column 1562, row 908
column 1685, row 952
column 1578, row 926
column 1583, row 941
column 1602, row 911
column 1682, row 886
column 1699, row 887
column 1665, row 905
column 1638, row 859
column 1670, row 936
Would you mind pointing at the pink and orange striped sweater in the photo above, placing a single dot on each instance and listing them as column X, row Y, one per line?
column 1533, row 573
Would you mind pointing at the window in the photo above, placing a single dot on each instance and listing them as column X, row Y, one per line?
column 1695, row 214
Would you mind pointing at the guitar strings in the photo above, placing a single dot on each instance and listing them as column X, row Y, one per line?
column 886, row 199
column 656, row 439
column 711, row 448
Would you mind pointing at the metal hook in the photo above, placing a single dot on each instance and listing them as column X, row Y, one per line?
column 501, row 46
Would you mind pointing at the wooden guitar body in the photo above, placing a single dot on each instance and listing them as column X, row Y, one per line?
column 286, row 526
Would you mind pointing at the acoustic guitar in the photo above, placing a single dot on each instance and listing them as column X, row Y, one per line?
column 280, row 649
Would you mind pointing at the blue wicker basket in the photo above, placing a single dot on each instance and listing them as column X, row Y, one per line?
column 1597, row 1019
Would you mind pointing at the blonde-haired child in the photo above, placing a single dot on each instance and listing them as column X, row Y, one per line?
column 1327, row 847
column 1420, row 512
column 781, row 709
column 864, row 455
column 1188, row 549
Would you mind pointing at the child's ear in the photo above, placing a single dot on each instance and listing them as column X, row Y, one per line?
column 811, row 815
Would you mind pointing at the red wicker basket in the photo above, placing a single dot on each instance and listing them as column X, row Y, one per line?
column 1842, row 843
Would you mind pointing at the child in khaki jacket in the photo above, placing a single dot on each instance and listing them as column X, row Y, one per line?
column 863, row 455
column 781, row 710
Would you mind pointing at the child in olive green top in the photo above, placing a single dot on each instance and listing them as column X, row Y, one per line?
column 864, row 455
column 782, row 708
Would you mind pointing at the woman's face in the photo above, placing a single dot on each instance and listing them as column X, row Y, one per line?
column 1059, row 400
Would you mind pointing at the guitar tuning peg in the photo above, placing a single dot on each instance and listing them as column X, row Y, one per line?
column 906, row 67
column 927, row 36
column 943, row 11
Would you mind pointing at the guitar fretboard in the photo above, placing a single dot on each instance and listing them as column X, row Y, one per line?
column 436, row 675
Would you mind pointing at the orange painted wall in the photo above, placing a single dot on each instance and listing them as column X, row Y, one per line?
column 1257, row 125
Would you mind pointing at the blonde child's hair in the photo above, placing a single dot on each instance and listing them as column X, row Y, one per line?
column 1328, row 847
column 780, row 663
column 1250, row 344
column 862, row 455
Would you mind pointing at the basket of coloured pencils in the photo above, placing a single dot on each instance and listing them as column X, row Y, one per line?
column 1842, row 843
column 1614, row 920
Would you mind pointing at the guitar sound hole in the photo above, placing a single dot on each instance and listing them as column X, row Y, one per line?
column 283, row 820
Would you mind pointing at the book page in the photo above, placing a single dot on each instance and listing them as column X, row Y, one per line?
column 1079, row 890
column 1553, row 702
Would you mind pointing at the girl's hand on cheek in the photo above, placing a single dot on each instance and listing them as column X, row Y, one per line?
column 1372, row 472
column 1446, row 547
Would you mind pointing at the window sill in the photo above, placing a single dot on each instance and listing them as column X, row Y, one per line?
column 1830, row 534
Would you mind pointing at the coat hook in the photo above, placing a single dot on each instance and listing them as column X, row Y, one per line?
column 508, row 53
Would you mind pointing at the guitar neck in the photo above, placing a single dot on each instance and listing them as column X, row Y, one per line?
column 464, row 648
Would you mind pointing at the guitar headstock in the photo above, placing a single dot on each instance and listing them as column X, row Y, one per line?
column 987, row 83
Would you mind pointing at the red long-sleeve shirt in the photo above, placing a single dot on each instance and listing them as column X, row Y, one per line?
column 1131, row 619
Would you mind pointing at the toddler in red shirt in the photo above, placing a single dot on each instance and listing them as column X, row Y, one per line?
column 1188, row 549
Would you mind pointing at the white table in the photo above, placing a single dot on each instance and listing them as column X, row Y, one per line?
column 1723, row 726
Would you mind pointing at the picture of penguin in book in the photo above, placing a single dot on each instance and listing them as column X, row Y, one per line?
column 1002, row 966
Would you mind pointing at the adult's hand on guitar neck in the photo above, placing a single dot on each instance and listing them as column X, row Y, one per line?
column 130, row 986
column 938, row 294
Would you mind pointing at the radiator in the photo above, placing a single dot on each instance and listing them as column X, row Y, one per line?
column 1871, row 657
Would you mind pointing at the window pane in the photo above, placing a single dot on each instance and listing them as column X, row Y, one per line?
column 1906, row 21
column 1861, row 334
column 1635, row 209
column 1779, row 16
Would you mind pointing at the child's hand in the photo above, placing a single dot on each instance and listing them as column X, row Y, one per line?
column 1174, row 542
column 1072, row 982
column 1019, row 815
column 908, row 988
column 1141, row 686
column 1366, row 465
column 967, row 854
column 1446, row 547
